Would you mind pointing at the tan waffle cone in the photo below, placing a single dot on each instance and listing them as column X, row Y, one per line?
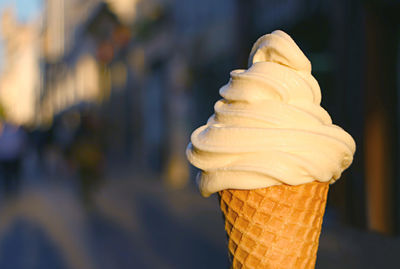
column 275, row 227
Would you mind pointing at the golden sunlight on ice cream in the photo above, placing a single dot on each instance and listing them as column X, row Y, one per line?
column 269, row 128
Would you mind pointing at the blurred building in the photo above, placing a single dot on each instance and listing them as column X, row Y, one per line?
column 63, row 20
column 71, row 68
column 20, row 97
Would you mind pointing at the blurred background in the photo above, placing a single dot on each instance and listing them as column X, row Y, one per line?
column 98, row 100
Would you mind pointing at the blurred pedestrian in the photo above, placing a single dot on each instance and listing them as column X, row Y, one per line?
column 12, row 147
column 88, row 156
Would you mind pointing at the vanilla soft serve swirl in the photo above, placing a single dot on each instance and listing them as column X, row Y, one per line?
column 269, row 128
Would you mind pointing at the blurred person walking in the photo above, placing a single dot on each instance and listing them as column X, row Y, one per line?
column 12, row 148
column 87, row 154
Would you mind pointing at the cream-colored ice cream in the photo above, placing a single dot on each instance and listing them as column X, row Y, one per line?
column 269, row 128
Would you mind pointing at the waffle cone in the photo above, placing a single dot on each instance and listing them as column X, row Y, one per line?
column 274, row 227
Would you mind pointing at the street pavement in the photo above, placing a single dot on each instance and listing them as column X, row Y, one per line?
column 137, row 221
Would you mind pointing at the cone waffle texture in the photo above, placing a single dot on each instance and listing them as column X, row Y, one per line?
column 274, row 227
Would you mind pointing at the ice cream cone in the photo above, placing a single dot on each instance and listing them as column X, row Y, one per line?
column 270, row 150
column 274, row 227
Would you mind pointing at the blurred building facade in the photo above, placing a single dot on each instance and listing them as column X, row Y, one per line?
column 20, row 97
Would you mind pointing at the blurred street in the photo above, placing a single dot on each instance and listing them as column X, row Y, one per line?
column 135, row 223
column 129, row 223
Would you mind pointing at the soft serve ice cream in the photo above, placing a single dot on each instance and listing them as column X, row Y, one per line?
column 269, row 128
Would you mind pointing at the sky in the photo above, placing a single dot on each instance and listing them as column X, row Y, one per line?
column 25, row 9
